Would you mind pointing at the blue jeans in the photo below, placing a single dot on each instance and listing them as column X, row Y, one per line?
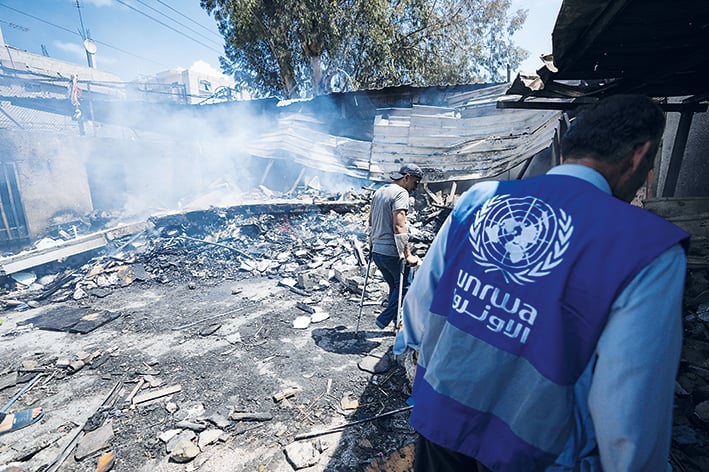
column 390, row 267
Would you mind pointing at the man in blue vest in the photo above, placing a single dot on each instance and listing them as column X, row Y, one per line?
column 547, row 313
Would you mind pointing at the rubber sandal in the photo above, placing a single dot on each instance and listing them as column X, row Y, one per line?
column 21, row 419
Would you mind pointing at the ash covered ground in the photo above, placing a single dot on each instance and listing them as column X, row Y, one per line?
column 206, row 305
column 198, row 360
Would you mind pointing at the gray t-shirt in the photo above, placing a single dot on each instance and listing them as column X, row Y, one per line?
column 385, row 202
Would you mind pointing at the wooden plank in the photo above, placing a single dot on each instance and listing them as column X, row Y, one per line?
column 669, row 207
column 126, row 230
column 673, row 168
column 22, row 261
column 144, row 397
column 84, row 243
column 695, row 225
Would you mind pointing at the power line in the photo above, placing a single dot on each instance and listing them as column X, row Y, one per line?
column 181, row 24
column 167, row 26
column 190, row 19
column 76, row 33
column 117, row 48
column 81, row 21
column 16, row 26
column 39, row 19
column 131, row 54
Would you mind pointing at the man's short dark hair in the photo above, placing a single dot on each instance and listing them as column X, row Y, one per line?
column 610, row 129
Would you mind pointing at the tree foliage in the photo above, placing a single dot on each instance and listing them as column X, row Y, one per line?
column 296, row 48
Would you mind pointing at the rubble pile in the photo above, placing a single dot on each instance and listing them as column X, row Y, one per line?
column 204, row 362
column 228, row 342
column 690, row 434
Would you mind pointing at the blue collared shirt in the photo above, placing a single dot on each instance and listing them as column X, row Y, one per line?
column 627, row 390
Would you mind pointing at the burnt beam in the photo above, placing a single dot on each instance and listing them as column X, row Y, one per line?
column 685, row 123
column 564, row 106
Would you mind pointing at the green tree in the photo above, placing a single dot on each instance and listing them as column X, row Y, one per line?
column 294, row 48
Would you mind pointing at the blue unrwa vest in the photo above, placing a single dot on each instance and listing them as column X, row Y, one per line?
column 529, row 280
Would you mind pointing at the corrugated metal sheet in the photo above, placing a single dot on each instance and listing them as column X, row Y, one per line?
column 469, row 138
column 299, row 138
column 449, row 146
column 472, row 139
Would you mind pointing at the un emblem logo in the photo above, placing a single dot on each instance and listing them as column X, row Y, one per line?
column 524, row 238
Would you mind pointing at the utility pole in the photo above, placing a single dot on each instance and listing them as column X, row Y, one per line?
column 90, row 47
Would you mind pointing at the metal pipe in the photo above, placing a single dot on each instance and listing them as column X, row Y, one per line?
column 364, row 290
column 24, row 389
column 400, row 305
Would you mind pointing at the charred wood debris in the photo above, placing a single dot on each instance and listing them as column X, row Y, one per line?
column 309, row 247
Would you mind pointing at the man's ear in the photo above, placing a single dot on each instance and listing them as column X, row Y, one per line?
column 638, row 155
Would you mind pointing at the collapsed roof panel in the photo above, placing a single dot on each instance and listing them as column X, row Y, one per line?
column 450, row 147
column 471, row 138
column 302, row 140
column 651, row 47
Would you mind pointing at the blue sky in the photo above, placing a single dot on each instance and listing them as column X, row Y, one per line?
column 535, row 37
column 135, row 37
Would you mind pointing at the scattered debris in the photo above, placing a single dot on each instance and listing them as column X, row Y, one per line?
column 349, row 401
column 376, row 363
column 215, row 322
column 283, row 394
column 245, row 416
column 105, row 462
column 301, row 322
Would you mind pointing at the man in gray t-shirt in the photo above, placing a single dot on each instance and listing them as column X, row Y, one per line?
column 389, row 236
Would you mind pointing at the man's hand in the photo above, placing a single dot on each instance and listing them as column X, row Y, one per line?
column 413, row 260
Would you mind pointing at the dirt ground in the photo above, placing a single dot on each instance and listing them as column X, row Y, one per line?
column 255, row 353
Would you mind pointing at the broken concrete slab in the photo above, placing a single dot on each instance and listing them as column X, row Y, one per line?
column 94, row 441
column 319, row 316
column 185, row 435
column 701, row 411
column 301, row 322
column 376, row 364
column 184, row 451
column 208, row 437
column 302, row 455
column 8, row 380
column 166, row 436
column 218, row 420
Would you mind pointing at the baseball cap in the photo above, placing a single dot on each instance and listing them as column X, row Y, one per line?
column 410, row 169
